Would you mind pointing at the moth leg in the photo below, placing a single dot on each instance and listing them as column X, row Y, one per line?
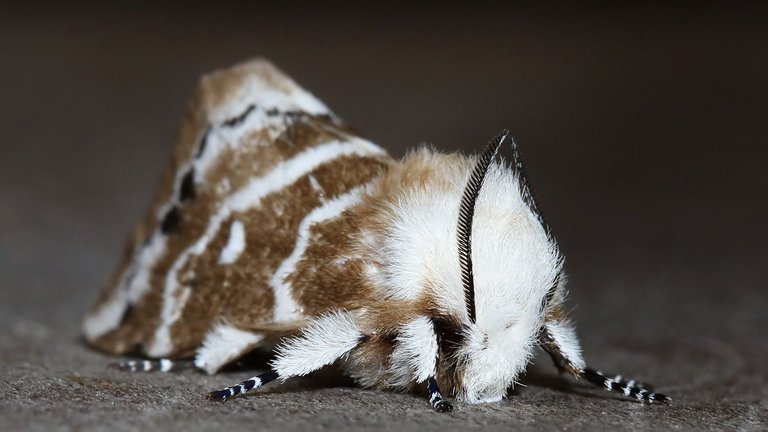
column 243, row 387
column 630, row 388
column 159, row 365
column 323, row 341
column 630, row 382
column 436, row 398
column 558, row 338
column 416, row 349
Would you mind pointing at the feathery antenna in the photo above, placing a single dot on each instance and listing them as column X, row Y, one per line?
column 467, row 213
column 527, row 193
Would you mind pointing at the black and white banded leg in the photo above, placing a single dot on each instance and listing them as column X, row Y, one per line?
column 160, row 365
column 243, row 387
column 321, row 343
column 436, row 398
column 630, row 382
column 559, row 340
column 630, row 388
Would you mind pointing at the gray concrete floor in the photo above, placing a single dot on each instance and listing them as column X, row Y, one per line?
column 645, row 135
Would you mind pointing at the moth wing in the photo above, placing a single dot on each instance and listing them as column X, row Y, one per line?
column 256, row 157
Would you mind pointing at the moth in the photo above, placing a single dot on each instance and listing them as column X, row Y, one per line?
column 276, row 227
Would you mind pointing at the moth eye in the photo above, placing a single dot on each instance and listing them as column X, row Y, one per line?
column 449, row 333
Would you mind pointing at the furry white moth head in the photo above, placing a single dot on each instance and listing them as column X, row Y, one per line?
column 514, row 267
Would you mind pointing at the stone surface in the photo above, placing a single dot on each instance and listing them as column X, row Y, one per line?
column 644, row 131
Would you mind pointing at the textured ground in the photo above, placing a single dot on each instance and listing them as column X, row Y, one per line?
column 645, row 135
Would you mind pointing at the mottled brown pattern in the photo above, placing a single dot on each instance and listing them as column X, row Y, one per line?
column 215, row 89
column 252, row 156
column 311, row 128
column 255, row 153
column 330, row 276
column 239, row 293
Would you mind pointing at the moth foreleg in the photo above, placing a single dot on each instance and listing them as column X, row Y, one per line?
column 436, row 398
column 243, row 387
column 323, row 341
column 160, row 365
column 416, row 349
column 558, row 339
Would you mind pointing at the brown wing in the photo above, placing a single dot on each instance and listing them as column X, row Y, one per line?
column 259, row 161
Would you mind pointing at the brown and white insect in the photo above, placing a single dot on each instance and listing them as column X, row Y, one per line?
column 276, row 227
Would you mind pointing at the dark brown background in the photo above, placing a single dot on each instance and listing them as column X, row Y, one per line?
column 644, row 130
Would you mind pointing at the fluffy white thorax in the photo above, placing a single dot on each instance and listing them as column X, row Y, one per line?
column 515, row 264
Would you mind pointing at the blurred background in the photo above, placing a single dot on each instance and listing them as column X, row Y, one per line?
column 644, row 129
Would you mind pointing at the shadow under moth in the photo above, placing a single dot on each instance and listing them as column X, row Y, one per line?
column 276, row 227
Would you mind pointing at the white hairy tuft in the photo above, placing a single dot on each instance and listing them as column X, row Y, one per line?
column 564, row 334
column 415, row 353
column 224, row 344
column 321, row 343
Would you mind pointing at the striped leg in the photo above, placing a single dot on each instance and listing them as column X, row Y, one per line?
column 243, row 387
column 559, row 340
column 323, row 341
column 629, row 388
column 436, row 398
column 161, row 365
column 632, row 383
